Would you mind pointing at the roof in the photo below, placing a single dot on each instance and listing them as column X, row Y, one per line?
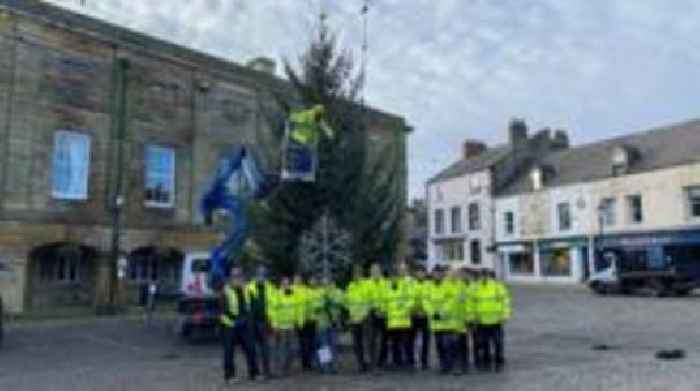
column 119, row 35
column 657, row 148
column 467, row 166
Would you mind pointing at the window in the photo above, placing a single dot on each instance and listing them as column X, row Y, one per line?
column 70, row 167
column 536, row 178
column 456, row 217
column 694, row 201
column 564, row 215
column 509, row 222
column 556, row 262
column 474, row 218
column 450, row 250
column 60, row 268
column 160, row 176
column 143, row 269
column 634, row 209
column 439, row 221
column 607, row 212
column 521, row 263
column 475, row 252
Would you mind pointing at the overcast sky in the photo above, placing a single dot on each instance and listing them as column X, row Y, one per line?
column 458, row 69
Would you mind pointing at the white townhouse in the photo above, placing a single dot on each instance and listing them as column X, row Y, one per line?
column 461, row 197
column 638, row 194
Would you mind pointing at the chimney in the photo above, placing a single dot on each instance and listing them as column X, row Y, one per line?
column 560, row 140
column 472, row 149
column 263, row 64
column 517, row 132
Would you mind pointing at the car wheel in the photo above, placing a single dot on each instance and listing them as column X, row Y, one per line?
column 658, row 288
column 598, row 288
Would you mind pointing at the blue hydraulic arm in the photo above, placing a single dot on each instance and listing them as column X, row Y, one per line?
column 253, row 185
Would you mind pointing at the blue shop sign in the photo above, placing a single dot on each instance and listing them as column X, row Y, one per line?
column 651, row 239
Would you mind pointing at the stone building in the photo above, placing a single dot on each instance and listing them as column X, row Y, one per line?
column 96, row 119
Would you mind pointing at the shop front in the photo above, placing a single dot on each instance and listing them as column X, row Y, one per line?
column 563, row 260
column 518, row 261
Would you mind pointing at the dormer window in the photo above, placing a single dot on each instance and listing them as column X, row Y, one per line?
column 621, row 159
column 537, row 178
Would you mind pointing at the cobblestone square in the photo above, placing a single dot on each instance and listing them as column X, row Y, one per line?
column 548, row 348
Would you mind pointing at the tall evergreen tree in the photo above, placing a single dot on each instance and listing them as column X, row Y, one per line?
column 361, row 193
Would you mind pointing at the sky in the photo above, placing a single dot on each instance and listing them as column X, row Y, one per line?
column 461, row 69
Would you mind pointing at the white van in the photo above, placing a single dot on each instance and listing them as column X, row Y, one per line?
column 199, row 305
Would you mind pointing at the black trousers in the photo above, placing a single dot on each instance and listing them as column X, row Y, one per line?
column 378, row 340
column 490, row 341
column 262, row 347
column 307, row 339
column 445, row 346
column 238, row 335
column 399, row 341
column 419, row 329
column 358, row 344
column 462, row 351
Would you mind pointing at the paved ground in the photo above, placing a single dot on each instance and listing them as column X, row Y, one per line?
column 549, row 348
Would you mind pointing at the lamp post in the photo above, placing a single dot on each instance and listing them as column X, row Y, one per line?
column 602, row 210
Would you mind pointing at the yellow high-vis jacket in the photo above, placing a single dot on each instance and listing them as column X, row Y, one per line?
column 439, row 307
column 491, row 302
column 286, row 310
column 306, row 125
column 399, row 304
column 357, row 300
column 229, row 314
column 376, row 289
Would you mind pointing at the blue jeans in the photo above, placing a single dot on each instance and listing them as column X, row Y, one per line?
column 326, row 337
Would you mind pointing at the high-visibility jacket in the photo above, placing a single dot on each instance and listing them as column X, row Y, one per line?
column 420, row 288
column 460, row 301
column 356, row 300
column 491, row 302
column 259, row 309
column 307, row 124
column 376, row 289
column 230, row 310
column 439, row 306
column 326, row 305
column 286, row 310
column 399, row 304
column 312, row 297
column 469, row 309
column 301, row 292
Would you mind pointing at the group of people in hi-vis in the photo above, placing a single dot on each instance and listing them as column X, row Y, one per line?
column 393, row 321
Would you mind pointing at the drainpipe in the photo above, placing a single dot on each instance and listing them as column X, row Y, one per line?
column 117, row 200
column 8, row 115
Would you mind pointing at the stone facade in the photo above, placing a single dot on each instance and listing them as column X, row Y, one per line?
column 61, row 71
